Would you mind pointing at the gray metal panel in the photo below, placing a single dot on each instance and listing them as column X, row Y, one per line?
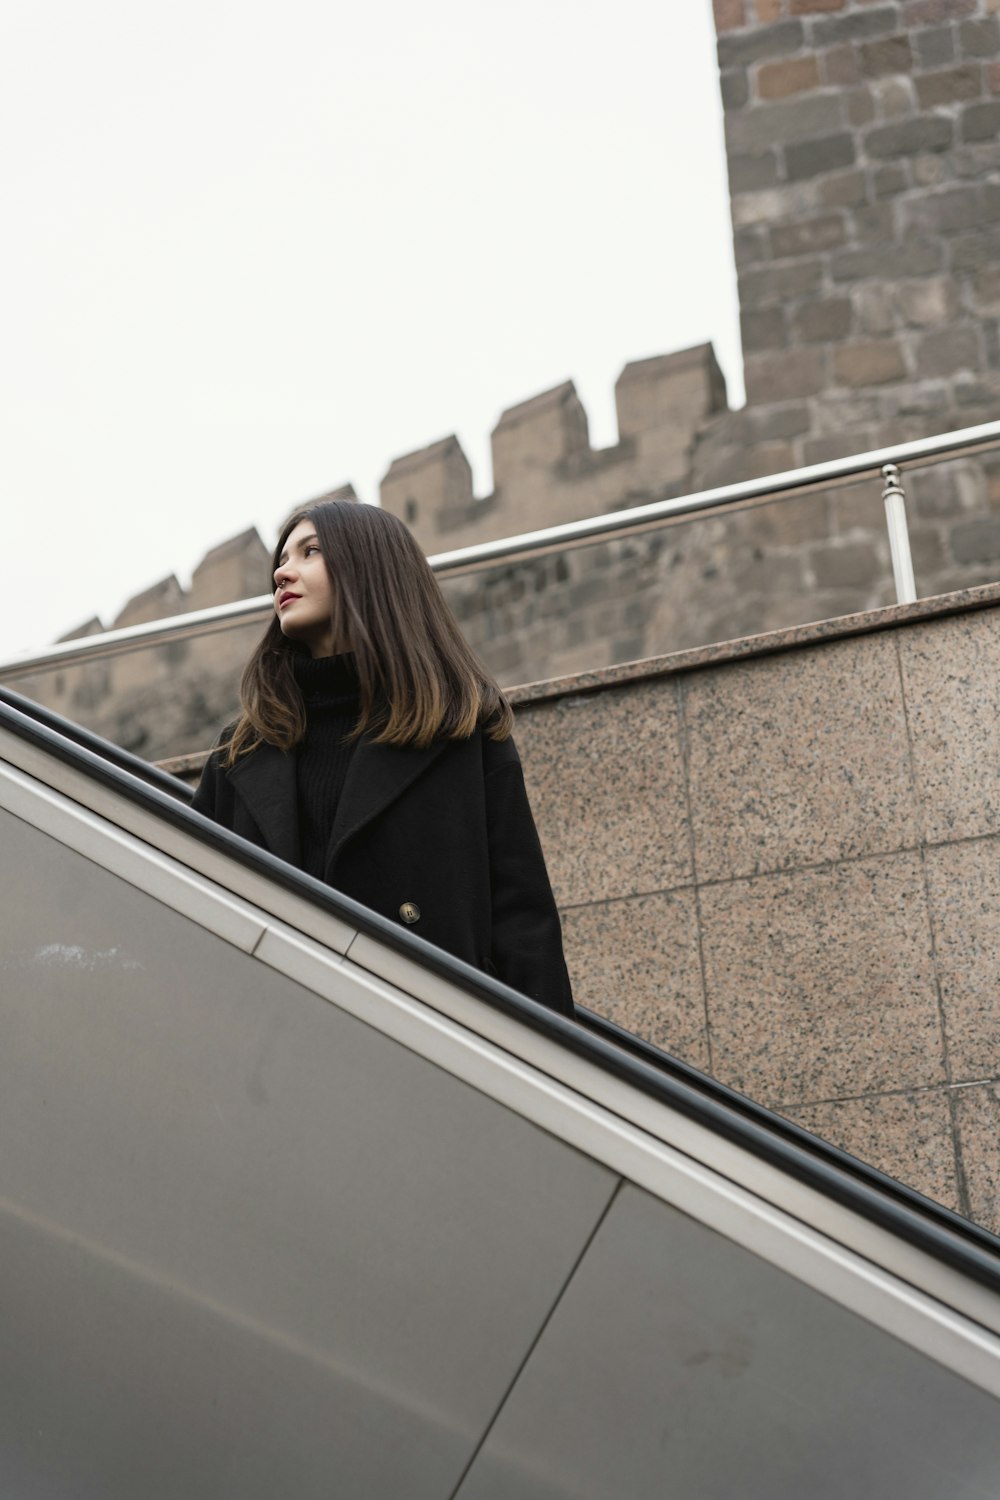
column 250, row 1246
column 678, row 1364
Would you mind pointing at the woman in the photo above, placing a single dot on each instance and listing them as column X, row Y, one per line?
column 374, row 752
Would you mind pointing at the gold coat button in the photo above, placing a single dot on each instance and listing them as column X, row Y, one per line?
column 410, row 911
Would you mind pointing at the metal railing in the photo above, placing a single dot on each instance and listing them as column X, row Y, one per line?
column 886, row 464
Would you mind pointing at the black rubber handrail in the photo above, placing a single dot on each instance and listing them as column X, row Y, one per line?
column 929, row 1226
column 85, row 738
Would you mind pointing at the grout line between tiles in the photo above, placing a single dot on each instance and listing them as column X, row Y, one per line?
column 682, row 729
column 789, row 1105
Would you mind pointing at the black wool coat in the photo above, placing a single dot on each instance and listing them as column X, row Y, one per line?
column 440, row 840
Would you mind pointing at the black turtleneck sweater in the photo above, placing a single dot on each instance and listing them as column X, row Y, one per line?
column 330, row 691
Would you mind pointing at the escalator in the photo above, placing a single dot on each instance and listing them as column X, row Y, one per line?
column 292, row 1204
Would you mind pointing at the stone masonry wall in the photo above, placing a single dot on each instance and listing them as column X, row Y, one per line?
column 864, row 167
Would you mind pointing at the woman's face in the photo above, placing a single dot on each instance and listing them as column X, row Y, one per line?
column 303, row 595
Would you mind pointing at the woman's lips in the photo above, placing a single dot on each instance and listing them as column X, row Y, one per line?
column 287, row 599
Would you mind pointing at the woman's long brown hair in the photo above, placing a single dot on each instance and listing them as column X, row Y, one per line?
column 419, row 679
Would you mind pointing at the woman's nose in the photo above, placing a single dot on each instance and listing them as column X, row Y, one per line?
column 284, row 574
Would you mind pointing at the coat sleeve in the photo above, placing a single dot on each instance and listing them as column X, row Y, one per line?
column 212, row 795
column 527, row 950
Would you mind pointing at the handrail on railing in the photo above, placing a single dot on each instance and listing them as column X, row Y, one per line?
column 885, row 462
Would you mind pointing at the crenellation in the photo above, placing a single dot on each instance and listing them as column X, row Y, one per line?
column 163, row 598
column 429, row 489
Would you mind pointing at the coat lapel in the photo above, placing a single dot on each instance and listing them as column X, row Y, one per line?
column 376, row 776
column 265, row 782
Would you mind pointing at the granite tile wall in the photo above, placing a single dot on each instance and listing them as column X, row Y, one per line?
column 782, row 863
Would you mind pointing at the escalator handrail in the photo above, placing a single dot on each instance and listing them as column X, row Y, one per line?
column 86, row 738
column 928, row 1226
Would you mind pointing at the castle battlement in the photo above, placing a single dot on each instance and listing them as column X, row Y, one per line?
column 543, row 463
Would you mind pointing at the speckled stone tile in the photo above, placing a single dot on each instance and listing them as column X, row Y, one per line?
column 978, row 1114
column 815, row 632
column 906, row 1135
column 637, row 962
column 951, row 673
column 820, row 983
column 964, row 885
column 798, row 759
column 606, row 781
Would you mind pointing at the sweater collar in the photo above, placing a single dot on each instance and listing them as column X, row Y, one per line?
column 327, row 679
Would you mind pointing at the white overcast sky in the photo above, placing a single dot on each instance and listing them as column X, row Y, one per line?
column 254, row 250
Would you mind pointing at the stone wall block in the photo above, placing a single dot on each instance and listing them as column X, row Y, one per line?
column 891, row 54
column 751, row 174
column 927, row 303
column 846, row 565
column 844, row 189
column 874, row 224
column 749, row 246
column 953, row 209
column 824, row 321
column 785, row 376
column 971, row 252
column 979, row 159
column 815, row 7
column 762, row 286
column 759, row 43
column 872, row 363
column 927, row 549
column 764, row 207
column 911, row 257
column 825, row 154
column 893, row 97
column 763, row 329
column 980, row 37
column 729, row 15
column 928, row 171
column 947, row 351
column 935, row 47
column 856, row 25
column 981, row 122
column 859, row 107
column 779, row 421
column 783, row 122
column 778, row 80
column 935, row 12
column 808, row 236
column 839, row 66
column 949, row 86
column 976, row 541
column 986, row 289
column 910, row 137
column 734, row 87
column 890, row 180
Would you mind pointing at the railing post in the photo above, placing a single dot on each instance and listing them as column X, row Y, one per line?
column 899, row 536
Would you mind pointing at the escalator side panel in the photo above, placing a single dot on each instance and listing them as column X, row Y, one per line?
column 226, row 1202
column 729, row 1379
